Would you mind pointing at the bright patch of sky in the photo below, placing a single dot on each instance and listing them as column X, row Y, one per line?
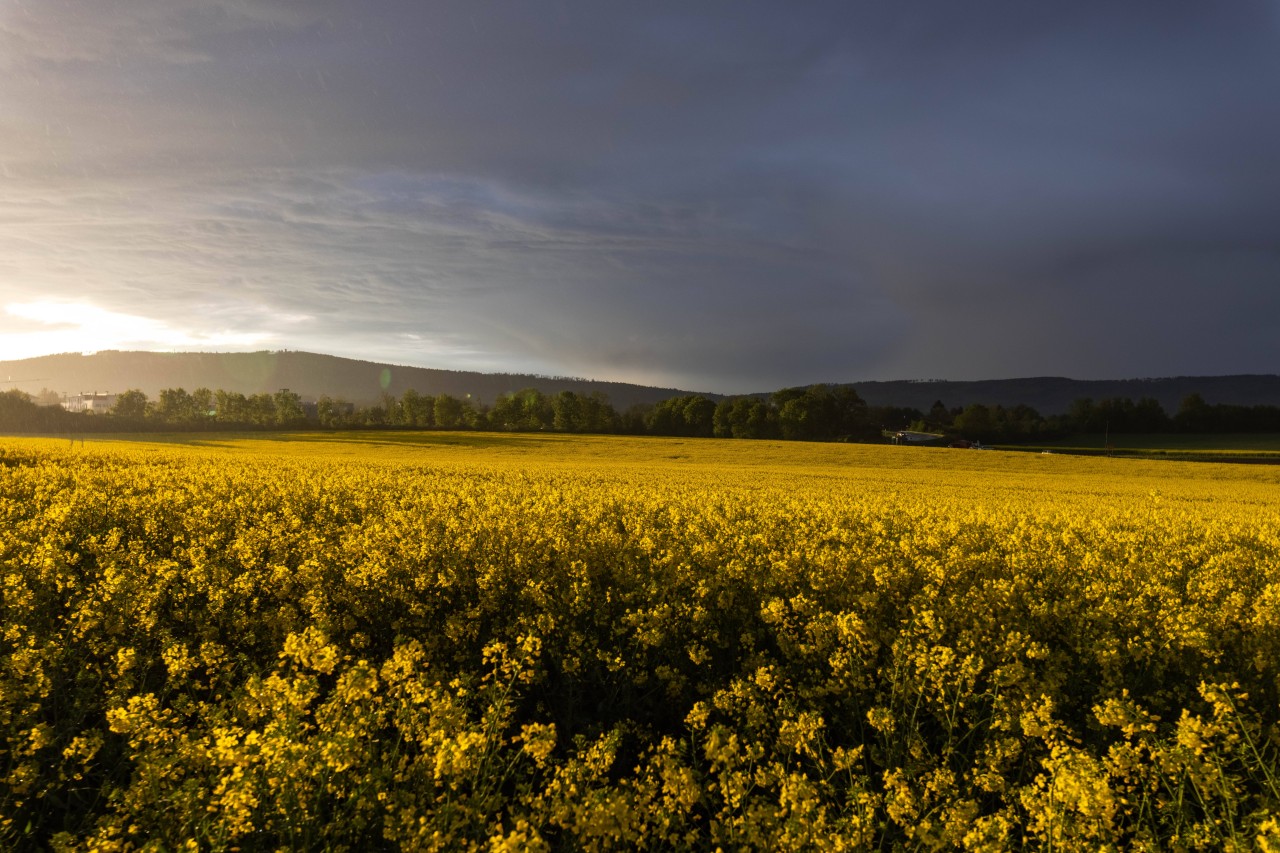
column 38, row 328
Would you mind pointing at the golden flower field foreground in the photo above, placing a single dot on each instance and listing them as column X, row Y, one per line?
column 451, row 641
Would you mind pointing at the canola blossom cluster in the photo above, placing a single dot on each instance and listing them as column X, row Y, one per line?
column 521, row 643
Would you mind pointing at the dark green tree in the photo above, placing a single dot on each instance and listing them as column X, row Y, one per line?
column 130, row 404
column 261, row 410
column 450, row 413
column 232, row 407
column 174, row 406
column 289, row 411
column 977, row 423
column 1194, row 415
column 416, row 410
column 691, row 415
column 202, row 408
column 745, row 417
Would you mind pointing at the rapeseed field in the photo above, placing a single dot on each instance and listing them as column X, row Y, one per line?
column 480, row 642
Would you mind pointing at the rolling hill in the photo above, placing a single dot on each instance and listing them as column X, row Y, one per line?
column 307, row 374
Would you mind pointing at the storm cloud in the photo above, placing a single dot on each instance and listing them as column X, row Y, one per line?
column 723, row 196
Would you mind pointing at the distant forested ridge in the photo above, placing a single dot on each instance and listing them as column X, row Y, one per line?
column 1054, row 395
column 309, row 375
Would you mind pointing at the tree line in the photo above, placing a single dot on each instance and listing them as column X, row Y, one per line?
column 806, row 413
column 816, row 413
column 1115, row 415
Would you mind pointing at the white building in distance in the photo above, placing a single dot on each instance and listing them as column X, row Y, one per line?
column 94, row 402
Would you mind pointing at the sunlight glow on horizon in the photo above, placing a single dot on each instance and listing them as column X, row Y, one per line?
column 45, row 327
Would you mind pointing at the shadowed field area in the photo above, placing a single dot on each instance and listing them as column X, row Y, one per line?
column 1243, row 448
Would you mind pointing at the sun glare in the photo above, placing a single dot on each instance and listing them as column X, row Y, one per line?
column 30, row 329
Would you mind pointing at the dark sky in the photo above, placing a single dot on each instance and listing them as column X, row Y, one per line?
column 721, row 196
